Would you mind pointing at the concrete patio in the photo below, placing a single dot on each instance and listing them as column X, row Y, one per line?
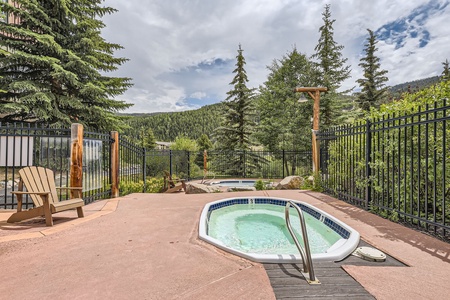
column 146, row 246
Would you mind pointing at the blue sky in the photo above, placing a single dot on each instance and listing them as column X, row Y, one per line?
column 182, row 53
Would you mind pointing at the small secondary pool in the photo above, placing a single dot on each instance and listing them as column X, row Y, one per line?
column 234, row 183
column 255, row 228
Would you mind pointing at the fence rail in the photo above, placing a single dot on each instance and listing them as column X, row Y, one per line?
column 136, row 169
column 396, row 166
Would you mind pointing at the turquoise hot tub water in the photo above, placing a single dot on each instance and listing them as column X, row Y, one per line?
column 261, row 228
column 255, row 228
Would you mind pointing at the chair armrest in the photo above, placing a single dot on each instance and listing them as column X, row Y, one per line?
column 31, row 193
column 44, row 195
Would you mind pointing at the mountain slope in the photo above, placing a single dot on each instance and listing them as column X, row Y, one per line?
column 167, row 126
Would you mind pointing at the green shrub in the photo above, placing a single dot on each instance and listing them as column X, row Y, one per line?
column 153, row 185
column 314, row 185
column 263, row 185
column 260, row 185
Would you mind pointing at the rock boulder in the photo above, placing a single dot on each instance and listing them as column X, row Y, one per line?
column 290, row 183
column 198, row 188
column 241, row 189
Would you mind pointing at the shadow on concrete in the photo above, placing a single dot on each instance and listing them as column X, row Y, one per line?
column 392, row 231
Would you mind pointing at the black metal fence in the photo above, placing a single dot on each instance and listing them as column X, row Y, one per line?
column 396, row 166
column 176, row 162
column 96, row 166
column 240, row 164
column 26, row 145
column 259, row 164
column 140, row 170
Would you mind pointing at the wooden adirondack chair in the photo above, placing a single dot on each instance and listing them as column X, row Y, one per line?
column 40, row 185
column 173, row 185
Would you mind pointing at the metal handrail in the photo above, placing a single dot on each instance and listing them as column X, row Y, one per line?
column 207, row 181
column 305, row 253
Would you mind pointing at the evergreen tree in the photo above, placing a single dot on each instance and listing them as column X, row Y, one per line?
column 332, row 70
column 204, row 143
column 372, row 85
column 147, row 138
column 284, row 123
column 55, row 74
column 445, row 73
column 238, row 122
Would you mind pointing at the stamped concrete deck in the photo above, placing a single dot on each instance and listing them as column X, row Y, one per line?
column 145, row 246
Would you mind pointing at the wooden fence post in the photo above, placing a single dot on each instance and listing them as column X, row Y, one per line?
column 115, row 164
column 76, row 157
column 315, row 152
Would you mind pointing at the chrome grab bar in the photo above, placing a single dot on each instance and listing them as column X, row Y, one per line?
column 206, row 174
column 305, row 253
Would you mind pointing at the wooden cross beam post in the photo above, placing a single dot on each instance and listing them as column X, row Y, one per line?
column 314, row 93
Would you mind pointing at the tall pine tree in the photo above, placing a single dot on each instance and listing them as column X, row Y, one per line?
column 332, row 70
column 445, row 76
column 56, row 72
column 284, row 123
column 373, row 89
column 238, row 122
column 146, row 138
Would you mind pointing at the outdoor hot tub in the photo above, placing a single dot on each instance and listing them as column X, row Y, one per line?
column 255, row 228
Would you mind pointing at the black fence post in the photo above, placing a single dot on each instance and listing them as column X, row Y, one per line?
column 144, row 171
column 114, row 170
column 170, row 162
column 188, row 155
column 368, row 164
column 282, row 164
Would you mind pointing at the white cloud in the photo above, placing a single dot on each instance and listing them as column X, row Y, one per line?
column 163, row 99
column 186, row 49
column 198, row 95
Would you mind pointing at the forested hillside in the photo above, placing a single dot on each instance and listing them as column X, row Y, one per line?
column 193, row 123
column 412, row 86
column 167, row 126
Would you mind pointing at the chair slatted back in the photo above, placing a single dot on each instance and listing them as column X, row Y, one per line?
column 39, row 179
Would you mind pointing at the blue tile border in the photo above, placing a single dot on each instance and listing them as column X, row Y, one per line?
column 344, row 233
column 336, row 227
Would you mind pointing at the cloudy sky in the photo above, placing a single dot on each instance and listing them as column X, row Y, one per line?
column 182, row 52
